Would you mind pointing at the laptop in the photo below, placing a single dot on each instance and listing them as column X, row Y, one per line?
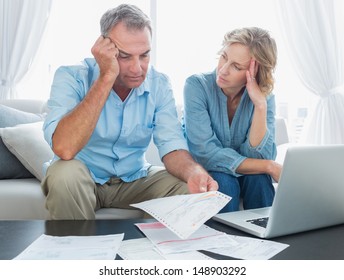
column 310, row 195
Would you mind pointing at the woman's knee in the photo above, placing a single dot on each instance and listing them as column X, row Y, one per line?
column 257, row 182
column 257, row 191
column 227, row 183
column 265, row 178
column 221, row 176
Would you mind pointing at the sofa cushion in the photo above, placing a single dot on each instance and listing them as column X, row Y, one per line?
column 10, row 166
column 26, row 142
column 117, row 214
column 11, row 117
column 22, row 199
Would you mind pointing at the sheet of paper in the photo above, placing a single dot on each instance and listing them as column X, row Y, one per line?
column 46, row 247
column 248, row 248
column 143, row 249
column 184, row 214
column 167, row 242
column 138, row 249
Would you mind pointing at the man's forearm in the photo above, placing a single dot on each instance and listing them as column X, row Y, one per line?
column 180, row 164
column 76, row 128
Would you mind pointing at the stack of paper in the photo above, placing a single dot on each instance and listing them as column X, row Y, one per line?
column 46, row 247
column 180, row 231
column 161, row 243
column 184, row 214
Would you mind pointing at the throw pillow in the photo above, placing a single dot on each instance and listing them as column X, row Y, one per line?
column 11, row 117
column 27, row 143
column 10, row 166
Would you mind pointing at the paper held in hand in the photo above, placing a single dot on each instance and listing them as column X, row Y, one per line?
column 184, row 214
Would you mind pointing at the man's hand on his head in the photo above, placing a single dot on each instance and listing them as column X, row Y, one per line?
column 105, row 52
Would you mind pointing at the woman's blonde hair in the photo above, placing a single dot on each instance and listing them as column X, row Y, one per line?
column 262, row 48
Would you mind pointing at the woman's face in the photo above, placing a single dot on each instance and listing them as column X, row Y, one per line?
column 233, row 63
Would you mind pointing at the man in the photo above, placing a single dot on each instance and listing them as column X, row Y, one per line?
column 103, row 114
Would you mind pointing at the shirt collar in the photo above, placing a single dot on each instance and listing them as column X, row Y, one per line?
column 143, row 88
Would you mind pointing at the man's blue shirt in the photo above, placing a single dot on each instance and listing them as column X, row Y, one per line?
column 124, row 129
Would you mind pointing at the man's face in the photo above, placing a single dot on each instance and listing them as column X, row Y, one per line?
column 134, row 55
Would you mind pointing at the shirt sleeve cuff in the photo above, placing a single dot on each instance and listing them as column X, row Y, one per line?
column 234, row 166
column 257, row 151
column 167, row 148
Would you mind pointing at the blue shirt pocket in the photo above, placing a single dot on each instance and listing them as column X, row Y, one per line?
column 139, row 136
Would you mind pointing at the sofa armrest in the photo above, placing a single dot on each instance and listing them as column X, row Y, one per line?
column 281, row 131
column 35, row 106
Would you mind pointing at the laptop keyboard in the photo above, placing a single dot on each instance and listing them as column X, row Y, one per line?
column 262, row 222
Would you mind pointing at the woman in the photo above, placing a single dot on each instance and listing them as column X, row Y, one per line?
column 229, row 119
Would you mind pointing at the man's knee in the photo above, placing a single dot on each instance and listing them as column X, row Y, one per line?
column 182, row 188
column 176, row 186
column 169, row 185
column 64, row 168
column 62, row 176
column 69, row 190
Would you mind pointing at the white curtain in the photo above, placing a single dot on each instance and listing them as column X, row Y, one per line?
column 314, row 37
column 22, row 24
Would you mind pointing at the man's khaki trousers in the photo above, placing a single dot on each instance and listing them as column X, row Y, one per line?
column 71, row 193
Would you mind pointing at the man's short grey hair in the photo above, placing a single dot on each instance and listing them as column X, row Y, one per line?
column 131, row 15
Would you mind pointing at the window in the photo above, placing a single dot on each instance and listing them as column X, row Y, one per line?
column 190, row 33
column 72, row 29
column 187, row 37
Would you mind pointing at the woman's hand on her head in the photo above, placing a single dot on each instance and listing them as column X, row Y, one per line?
column 256, row 95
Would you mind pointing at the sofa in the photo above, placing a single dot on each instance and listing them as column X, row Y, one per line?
column 23, row 152
column 21, row 197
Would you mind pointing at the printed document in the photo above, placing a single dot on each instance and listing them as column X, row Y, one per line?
column 248, row 248
column 167, row 242
column 205, row 238
column 143, row 249
column 46, row 247
column 184, row 214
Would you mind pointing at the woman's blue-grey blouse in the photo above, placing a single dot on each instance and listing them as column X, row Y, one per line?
column 213, row 142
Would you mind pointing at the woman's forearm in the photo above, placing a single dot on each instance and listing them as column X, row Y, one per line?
column 252, row 166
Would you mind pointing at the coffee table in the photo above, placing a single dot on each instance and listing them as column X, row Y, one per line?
column 15, row 236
